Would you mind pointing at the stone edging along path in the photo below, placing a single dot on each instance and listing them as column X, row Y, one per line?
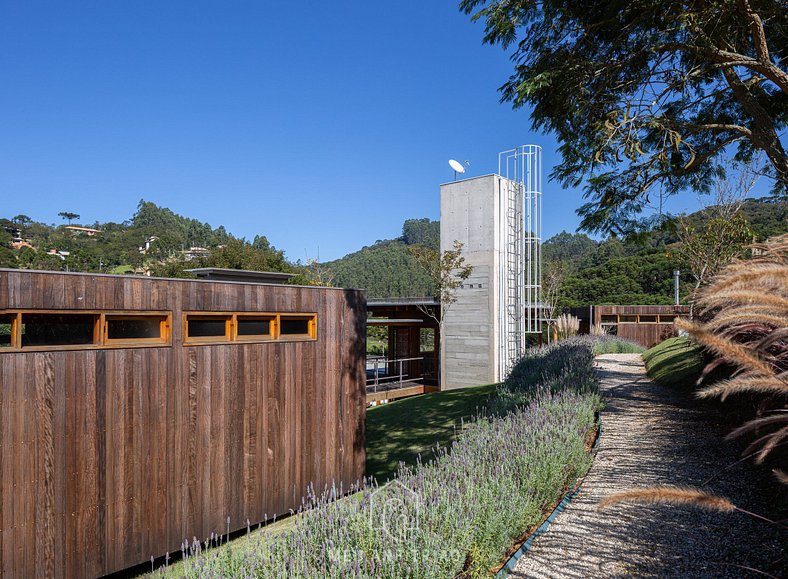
column 656, row 436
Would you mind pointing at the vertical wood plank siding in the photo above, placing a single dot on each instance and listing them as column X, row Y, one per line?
column 111, row 456
column 645, row 334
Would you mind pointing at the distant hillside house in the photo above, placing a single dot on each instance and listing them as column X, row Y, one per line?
column 195, row 253
column 87, row 230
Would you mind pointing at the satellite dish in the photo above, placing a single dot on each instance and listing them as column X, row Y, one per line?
column 457, row 166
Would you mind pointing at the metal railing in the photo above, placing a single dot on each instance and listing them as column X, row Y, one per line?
column 375, row 364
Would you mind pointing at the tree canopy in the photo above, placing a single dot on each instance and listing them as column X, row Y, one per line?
column 647, row 97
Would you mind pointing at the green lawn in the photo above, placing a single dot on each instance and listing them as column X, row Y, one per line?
column 401, row 430
column 675, row 362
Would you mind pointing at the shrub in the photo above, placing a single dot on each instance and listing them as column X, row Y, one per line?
column 614, row 345
column 676, row 362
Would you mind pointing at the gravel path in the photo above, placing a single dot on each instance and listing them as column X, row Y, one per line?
column 655, row 436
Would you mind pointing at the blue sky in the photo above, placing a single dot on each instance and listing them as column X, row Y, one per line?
column 322, row 125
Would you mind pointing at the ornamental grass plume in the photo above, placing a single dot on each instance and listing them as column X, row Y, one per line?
column 669, row 495
column 744, row 322
column 566, row 326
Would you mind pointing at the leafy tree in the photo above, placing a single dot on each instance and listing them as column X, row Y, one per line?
column 707, row 250
column 69, row 216
column 447, row 270
column 239, row 254
column 571, row 249
column 7, row 258
column 422, row 232
column 646, row 97
column 32, row 259
column 317, row 274
column 711, row 245
column 21, row 220
column 553, row 278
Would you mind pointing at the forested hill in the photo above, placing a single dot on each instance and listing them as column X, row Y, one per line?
column 155, row 240
column 595, row 272
column 387, row 268
column 617, row 271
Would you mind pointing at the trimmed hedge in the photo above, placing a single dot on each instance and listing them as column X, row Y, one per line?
column 676, row 362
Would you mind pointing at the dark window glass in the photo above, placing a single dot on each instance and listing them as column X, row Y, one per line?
column 627, row 319
column 609, row 319
column 294, row 326
column 648, row 319
column 254, row 326
column 136, row 328
column 57, row 329
column 207, row 327
column 6, row 327
column 666, row 319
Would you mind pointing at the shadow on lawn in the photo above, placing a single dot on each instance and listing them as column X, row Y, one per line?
column 405, row 429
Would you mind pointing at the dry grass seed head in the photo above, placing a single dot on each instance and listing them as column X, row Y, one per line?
column 744, row 383
column 762, row 297
column 745, row 315
column 727, row 349
column 670, row 495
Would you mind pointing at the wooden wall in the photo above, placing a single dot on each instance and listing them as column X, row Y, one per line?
column 111, row 456
column 645, row 334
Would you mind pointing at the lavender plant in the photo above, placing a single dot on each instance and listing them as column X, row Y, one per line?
column 455, row 515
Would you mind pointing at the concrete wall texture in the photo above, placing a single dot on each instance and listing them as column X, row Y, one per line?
column 471, row 214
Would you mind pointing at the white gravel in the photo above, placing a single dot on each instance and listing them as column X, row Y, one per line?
column 652, row 435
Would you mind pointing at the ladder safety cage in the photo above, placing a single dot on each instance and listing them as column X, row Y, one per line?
column 521, row 244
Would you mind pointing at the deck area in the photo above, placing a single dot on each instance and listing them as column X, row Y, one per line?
column 396, row 390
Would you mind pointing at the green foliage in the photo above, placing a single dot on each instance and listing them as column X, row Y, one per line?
column 68, row 215
column 7, row 257
column 639, row 270
column 573, row 250
column 676, row 362
column 638, row 279
column 713, row 245
column 612, row 345
column 446, row 269
column 388, row 269
column 647, row 99
column 117, row 248
column 422, row 232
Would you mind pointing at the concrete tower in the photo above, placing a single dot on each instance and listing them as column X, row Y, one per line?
column 497, row 218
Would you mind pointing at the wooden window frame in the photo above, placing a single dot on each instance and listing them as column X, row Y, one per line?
column 272, row 319
column 231, row 335
column 165, row 329
column 100, row 340
column 654, row 321
column 311, row 327
column 15, row 331
column 229, row 320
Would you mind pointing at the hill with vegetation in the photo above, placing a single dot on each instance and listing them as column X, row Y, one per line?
column 640, row 270
column 387, row 268
column 160, row 242
column 154, row 241
column 612, row 271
